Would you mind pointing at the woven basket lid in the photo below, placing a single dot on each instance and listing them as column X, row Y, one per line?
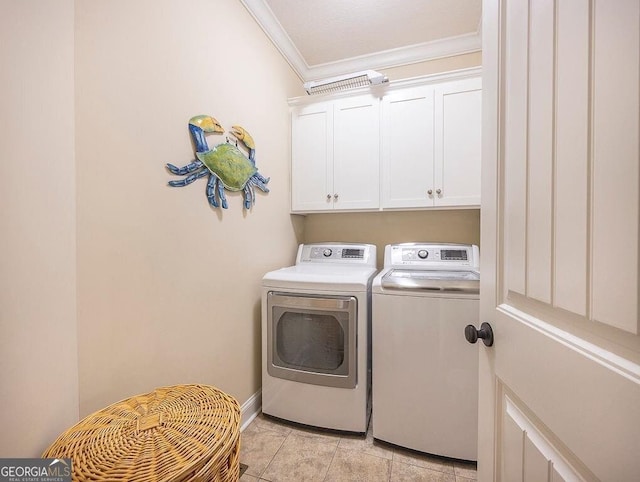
column 176, row 433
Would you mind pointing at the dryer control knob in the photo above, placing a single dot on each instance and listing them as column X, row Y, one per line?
column 327, row 252
column 423, row 253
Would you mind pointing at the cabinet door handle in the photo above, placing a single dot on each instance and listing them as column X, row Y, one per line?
column 335, row 196
column 328, row 197
column 430, row 192
column 438, row 191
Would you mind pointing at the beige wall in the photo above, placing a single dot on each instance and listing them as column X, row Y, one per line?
column 169, row 288
column 382, row 228
column 38, row 348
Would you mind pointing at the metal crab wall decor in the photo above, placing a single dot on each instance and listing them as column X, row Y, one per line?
column 225, row 164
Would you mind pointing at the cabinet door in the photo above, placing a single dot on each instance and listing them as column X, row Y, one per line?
column 312, row 157
column 407, row 148
column 356, row 171
column 458, row 108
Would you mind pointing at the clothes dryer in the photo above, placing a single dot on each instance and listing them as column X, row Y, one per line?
column 316, row 318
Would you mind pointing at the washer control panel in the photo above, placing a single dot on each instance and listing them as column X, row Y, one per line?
column 431, row 255
column 409, row 254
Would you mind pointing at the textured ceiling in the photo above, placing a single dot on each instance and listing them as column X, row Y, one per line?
column 337, row 36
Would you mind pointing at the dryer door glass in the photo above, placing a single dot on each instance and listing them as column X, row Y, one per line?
column 312, row 339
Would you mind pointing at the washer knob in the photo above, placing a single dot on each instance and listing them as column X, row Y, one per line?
column 423, row 253
column 327, row 252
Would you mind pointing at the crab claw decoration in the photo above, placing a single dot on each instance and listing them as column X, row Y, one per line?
column 226, row 165
column 243, row 136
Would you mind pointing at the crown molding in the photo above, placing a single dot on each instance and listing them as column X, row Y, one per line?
column 400, row 56
column 265, row 18
column 388, row 58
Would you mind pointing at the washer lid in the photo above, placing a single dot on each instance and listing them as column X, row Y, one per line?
column 432, row 280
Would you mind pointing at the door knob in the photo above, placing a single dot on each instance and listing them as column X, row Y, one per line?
column 485, row 332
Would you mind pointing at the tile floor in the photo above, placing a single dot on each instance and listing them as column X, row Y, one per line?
column 276, row 451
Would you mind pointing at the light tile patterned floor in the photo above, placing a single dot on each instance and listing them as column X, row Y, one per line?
column 279, row 452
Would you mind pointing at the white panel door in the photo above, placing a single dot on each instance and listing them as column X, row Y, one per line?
column 407, row 148
column 312, row 157
column 559, row 390
column 356, row 171
column 457, row 143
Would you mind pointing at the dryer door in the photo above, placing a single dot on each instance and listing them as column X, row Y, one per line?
column 312, row 339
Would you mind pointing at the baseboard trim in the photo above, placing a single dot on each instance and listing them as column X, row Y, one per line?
column 250, row 409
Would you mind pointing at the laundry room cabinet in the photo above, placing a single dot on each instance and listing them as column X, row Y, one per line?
column 411, row 145
column 408, row 148
column 431, row 145
column 336, row 155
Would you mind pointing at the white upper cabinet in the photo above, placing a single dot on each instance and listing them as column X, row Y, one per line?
column 415, row 146
column 312, row 157
column 336, row 155
column 431, row 145
column 407, row 148
column 457, row 143
column 356, row 153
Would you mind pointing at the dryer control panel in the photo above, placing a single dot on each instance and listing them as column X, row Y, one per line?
column 337, row 253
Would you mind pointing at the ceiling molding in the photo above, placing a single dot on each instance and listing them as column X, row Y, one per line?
column 272, row 27
column 388, row 58
column 401, row 56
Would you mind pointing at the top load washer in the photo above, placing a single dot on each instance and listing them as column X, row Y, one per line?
column 316, row 320
column 425, row 374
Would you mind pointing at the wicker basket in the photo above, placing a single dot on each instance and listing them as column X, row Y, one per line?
column 179, row 433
